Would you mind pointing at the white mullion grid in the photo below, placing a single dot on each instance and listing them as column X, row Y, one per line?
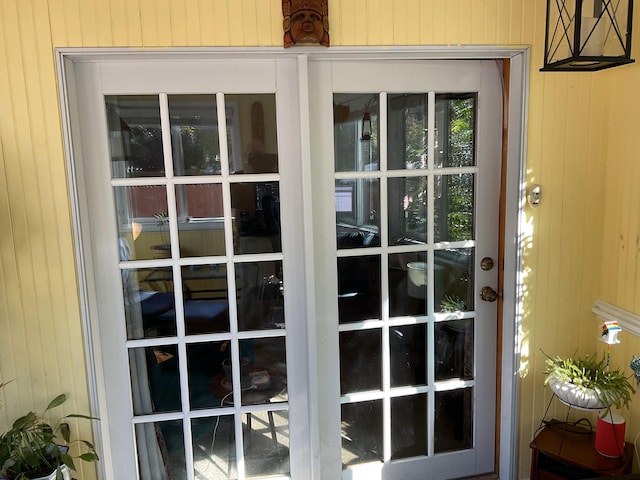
column 254, row 178
column 382, row 136
column 222, row 135
column 259, row 257
column 138, row 182
column 196, row 179
column 358, row 397
column 166, row 135
column 447, row 316
column 151, row 342
column 157, row 418
column 276, row 333
column 363, row 325
column 384, row 278
column 231, row 283
column 177, row 278
column 431, row 128
column 357, row 175
column 455, row 384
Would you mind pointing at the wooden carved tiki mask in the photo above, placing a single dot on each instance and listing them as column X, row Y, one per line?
column 305, row 22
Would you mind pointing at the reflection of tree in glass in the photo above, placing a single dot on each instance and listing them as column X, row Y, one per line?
column 461, row 141
column 460, row 187
column 146, row 148
column 416, row 157
column 417, row 206
column 200, row 150
column 415, row 137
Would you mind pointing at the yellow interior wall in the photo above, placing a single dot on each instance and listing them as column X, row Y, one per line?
column 581, row 244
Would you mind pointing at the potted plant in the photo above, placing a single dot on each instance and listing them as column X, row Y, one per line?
column 164, row 248
column 588, row 382
column 34, row 449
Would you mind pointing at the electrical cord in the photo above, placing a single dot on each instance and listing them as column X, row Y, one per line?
column 215, row 428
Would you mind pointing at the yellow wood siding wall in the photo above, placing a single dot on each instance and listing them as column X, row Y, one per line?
column 580, row 244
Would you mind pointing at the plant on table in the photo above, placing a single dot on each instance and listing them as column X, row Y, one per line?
column 590, row 377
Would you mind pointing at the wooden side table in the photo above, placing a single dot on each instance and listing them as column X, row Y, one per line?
column 564, row 451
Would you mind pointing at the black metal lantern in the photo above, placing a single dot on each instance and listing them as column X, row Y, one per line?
column 366, row 126
column 587, row 35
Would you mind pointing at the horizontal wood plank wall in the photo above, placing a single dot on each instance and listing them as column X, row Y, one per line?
column 580, row 244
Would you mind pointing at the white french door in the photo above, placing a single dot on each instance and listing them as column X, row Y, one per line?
column 190, row 181
column 410, row 151
column 282, row 265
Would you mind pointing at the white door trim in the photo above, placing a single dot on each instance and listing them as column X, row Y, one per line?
column 68, row 58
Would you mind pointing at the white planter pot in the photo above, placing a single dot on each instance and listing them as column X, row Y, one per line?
column 574, row 395
column 66, row 475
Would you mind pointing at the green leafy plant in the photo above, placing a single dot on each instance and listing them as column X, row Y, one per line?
column 589, row 373
column 34, row 448
column 452, row 303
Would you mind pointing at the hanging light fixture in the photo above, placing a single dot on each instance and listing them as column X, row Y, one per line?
column 366, row 126
column 587, row 35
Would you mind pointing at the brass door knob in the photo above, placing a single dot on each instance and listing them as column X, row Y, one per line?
column 486, row 263
column 488, row 294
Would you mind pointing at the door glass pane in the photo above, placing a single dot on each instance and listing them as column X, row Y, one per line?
column 409, row 426
column 454, row 420
column 194, row 132
column 453, row 201
column 355, row 119
column 160, row 449
column 263, row 370
column 358, row 288
column 360, row 361
column 358, row 213
column 407, row 131
column 214, row 450
column 454, row 276
column 266, row 446
column 455, row 130
column 257, row 217
column 203, row 282
column 407, row 206
column 260, row 295
column 408, row 284
column 454, row 350
column 201, row 224
column 145, row 303
column 252, row 138
column 408, row 345
column 161, row 390
column 143, row 223
column 362, row 432
column 206, row 374
column 135, row 136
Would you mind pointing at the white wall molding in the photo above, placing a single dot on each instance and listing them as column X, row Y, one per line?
column 606, row 312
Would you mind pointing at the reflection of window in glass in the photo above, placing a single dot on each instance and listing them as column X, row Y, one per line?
column 353, row 153
column 195, row 135
column 135, row 135
column 357, row 204
column 407, row 131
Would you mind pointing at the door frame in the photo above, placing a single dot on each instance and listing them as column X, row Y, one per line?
column 514, row 161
